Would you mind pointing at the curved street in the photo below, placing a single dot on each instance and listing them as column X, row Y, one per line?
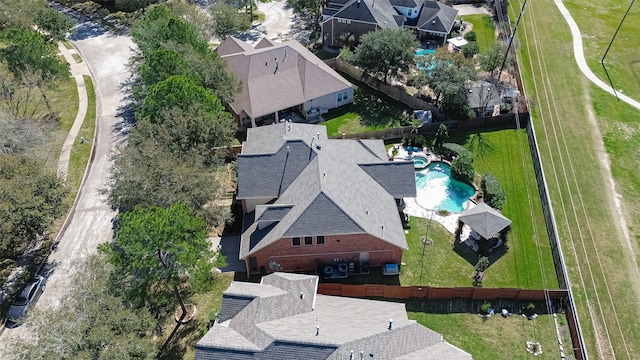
column 89, row 222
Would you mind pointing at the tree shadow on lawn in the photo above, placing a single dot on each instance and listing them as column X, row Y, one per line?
column 184, row 338
column 472, row 257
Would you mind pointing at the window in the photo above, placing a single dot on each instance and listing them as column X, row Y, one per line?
column 320, row 240
column 295, row 241
column 343, row 96
column 308, row 240
column 340, row 97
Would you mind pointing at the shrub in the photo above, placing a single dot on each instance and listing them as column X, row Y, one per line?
column 452, row 149
column 484, row 308
column 495, row 195
column 462, row 169
column 471, row 36
column 470, row 49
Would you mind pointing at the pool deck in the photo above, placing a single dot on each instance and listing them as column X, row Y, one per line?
column 413, row 208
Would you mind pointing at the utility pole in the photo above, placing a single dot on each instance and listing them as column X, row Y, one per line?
column 609, row 47
column 504, row 60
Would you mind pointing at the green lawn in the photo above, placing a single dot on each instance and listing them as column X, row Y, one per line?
column 575, row 124
column 80, row 153
column 484, row 29
column 527, row 263
column 496, row 337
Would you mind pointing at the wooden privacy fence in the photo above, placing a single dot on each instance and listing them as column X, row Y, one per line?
column 394, row 92
column 427, row 292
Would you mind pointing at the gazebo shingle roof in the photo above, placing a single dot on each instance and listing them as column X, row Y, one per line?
column 485, row 220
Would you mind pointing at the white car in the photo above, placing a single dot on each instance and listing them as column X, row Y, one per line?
column 28, row 295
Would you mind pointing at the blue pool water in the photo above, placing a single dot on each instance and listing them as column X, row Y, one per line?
column 437, row 190
column 420, row 162
column 420, row 52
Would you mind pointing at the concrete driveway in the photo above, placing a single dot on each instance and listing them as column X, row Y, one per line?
column 90, row 221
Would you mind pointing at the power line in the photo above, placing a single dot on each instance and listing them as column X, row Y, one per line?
column 609, row 47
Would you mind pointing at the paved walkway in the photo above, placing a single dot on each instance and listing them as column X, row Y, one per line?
column 578, row 52
column 78, row 70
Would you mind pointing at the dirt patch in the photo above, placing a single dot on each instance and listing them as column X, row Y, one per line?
column 191, row 313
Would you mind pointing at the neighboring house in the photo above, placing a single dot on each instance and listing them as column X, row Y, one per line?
column 283, row 318
column 281, row 81
column 428, row 18
column 483, row 96
column 309, row 200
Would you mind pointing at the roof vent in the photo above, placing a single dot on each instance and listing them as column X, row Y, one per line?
column 367, row 212
column 301, row 295
column 317, row 330
column 288, row 149
column 390, row 324
column 318, row 146
column 361, row 355
column 318, row 135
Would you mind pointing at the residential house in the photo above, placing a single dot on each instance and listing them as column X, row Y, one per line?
column 483, row 97
column 309, row 200
column 428, row 18
column 284, row 318
column 281, row 81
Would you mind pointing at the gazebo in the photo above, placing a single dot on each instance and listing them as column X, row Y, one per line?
column 488, row 223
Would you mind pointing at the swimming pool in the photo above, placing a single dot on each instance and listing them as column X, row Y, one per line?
column 438, row 191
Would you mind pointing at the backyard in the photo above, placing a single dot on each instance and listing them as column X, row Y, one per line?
column 586, row 138
column 526, row 260
column 484, row 29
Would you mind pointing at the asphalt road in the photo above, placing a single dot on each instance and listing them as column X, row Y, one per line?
column 89, row 224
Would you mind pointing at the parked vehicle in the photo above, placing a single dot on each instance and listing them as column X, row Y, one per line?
column 28, row 295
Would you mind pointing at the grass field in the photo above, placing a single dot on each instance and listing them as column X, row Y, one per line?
column 484, row 29
column 527, row 263
column 585, row 136
column 495, row 337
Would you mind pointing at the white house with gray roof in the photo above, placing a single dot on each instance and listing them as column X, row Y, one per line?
column 280, row 79
column 284, row 318
column 429, row 18
column 309, row 200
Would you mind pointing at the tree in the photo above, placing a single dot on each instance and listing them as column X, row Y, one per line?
column 312, row 7
column 494, row 194
column 19, row 14
column 193, row 14
column 159, row 250
column 30, row 200
column 176, row 91
column 491, row 59
column 55, row 24
column 442, row 134
column 227, row 20
column 386, row 51
column 92, row 321
column 470, row 49
column 462, row 169
column 448, row 75
column 159, row 64
column 471, row 36
column 29, row 54
column 162, row 28
column 148, row 174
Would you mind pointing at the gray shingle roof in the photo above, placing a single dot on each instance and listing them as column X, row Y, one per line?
column 372, row 11
column 282, row 326
column 436, row 16
column 232, row 305
column 485, row 220
column 277, row 76
column 330, row 189
column 397, row 177
column 271, row 212
column 406, row 3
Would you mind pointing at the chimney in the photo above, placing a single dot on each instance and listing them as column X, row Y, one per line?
column 390, row 324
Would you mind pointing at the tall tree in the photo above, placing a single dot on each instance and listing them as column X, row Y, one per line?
column 177, row 91
column 386, row 51
column 30, row 200
column 227, row 20
column 312, row 7
column 448, row 75
column 55, row 24
column 491, row 58
column 149, row 174
column 158, row 249
column 161, row 28
column 92, row 321
column 19, row 14
column 28, row 53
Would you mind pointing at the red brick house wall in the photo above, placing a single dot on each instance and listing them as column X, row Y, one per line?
column 346, row 248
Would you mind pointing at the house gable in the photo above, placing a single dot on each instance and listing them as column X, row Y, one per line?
column 323, row 217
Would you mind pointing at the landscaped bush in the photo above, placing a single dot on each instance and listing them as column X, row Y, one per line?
column 470, row 49
column 494, row 194
column 471, row 36
column 462, row 169
column 450, row 150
